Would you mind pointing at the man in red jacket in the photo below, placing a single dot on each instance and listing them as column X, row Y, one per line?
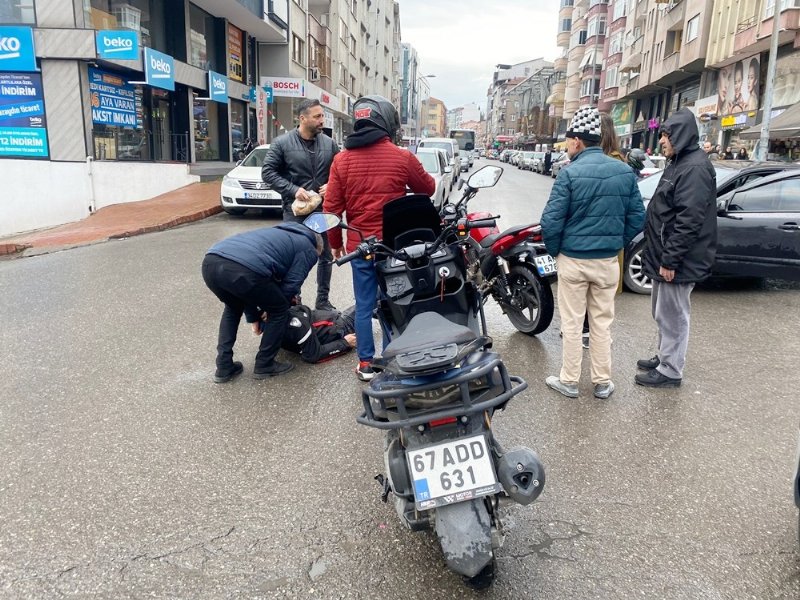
column 371, row 172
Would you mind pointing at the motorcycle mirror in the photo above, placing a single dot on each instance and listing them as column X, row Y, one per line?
column 485, row 177
column 322, row 222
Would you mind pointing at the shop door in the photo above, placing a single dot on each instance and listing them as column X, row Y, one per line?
column 161, row 136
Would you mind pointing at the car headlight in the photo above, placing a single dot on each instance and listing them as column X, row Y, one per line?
column 231, row 182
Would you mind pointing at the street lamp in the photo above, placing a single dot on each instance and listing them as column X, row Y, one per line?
column 417, row 106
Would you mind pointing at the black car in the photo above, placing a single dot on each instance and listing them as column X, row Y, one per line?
column 757, row 223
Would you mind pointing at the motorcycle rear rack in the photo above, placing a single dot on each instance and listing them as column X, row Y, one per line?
column 512, row 386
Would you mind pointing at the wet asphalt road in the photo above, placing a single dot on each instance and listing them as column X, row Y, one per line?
column 126, row 473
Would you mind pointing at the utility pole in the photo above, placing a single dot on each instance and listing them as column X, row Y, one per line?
column 763, row 142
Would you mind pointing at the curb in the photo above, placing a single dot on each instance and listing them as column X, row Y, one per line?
column 169, row 224
column 6, row 249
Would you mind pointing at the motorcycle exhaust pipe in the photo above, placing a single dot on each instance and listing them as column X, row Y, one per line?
column 521, row 474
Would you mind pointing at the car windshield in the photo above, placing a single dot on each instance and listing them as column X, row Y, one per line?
column 443, row 145
column 648, row 185
column 429, row 162
column 255, row 158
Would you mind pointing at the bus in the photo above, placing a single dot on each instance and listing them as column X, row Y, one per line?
column 465, row 138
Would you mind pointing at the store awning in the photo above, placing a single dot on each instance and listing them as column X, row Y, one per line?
column 785, row 125
column 632, row 63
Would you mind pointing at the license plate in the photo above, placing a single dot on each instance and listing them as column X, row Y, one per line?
column 257, row 195
column 452, row 472
column 545, row 264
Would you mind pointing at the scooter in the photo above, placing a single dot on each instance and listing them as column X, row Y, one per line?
column 439, row 386
column 512, row 266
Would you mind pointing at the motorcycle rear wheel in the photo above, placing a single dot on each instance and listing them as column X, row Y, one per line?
column 531, row 304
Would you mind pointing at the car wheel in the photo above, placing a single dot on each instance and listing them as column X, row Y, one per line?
column 234, row 211
column 633, row 274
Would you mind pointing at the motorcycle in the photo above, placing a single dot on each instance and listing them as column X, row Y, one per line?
column 439, row 386
column 512, row 266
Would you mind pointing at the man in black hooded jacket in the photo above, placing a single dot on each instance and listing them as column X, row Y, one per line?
column 319, row 335
column 681, row 235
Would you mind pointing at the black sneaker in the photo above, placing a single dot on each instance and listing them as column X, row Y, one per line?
column 656, row 379
column 325, row 305
column 648, row 364
column 225, row 375
column 364, row 370
column 275, row 369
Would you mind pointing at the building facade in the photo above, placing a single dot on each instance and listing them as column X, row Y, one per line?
column 436, row 119
column 124, row 96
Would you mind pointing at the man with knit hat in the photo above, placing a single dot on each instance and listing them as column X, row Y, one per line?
column 594, row 210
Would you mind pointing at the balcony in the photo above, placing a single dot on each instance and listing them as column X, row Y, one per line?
column 560, row 64
column 562, row 39
column 674, row 17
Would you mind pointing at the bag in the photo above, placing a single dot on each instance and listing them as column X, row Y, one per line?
column 302, row 208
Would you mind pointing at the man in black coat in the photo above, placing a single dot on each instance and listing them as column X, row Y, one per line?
column 319, row 335
column 297, row 165
column 681, row 235
column 252, row 273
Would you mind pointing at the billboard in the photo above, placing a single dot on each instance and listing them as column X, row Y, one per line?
column 114, row 102
column 23, row 129
column 738, row 86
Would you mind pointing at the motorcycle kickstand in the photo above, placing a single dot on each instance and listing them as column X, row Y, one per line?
column 384, row 483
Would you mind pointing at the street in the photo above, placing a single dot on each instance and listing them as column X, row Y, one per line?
column 127, row 473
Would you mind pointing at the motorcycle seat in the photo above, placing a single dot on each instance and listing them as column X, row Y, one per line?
column 428, row 330
column 492, row 238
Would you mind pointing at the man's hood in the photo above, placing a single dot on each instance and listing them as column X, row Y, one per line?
column 298, row 228
column 681, row 127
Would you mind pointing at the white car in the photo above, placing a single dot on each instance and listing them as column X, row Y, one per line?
column 243, row 188
column 434, row 162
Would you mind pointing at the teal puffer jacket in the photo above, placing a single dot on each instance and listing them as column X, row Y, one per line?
column 594, row 209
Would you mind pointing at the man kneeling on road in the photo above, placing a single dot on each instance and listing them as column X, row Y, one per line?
column 255, row 272
column 319, row 335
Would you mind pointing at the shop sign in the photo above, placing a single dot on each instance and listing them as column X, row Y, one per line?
column 235, row 69
column 159, row 69
column 738, row 121
column 113, row 101
column 622, row 113
column 639, row 126
column 262, row 118
column 117, row 44
column 218, row 87
column 737, row 86
column 705, row 108
column 285, row 87
column 328, row 118
column 23, row 130
column 622, row 129
column 325, row 98
column 16, row 49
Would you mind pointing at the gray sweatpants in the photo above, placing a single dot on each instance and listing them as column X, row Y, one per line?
column 671, row 307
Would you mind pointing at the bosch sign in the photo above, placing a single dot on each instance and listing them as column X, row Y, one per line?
column 16, row 49
column 287, row 87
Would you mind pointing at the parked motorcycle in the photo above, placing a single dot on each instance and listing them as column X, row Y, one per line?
column 439, row 386
column 512, row 266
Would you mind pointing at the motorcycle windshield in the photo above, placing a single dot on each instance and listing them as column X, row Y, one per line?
column 410, row 219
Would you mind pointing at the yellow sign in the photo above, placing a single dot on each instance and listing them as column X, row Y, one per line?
column 235, row 71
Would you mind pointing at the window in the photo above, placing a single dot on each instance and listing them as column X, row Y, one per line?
column 612, row 80
column 616, row 44
column 780, row 196
column 136, row 15
column 354, row 7
column 566, row 3
column 597, row 26
column 692, row 28
column 566, row 25
column 202, row 41
column 18, row 12
column 352, row 84
column 352, row 45
column 344, row 32
column 298, row 50
column 590, row 87
column 619, row 10
column 769, row 9
column 673, row 44
column 578, row 39
column 344, row 78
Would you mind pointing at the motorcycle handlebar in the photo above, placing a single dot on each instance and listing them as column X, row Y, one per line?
column 348, row 257
column 483, row 223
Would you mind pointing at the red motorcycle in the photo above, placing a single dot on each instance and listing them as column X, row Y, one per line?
column 511, row 266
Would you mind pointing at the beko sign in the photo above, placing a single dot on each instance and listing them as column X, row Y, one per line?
column 16, row 49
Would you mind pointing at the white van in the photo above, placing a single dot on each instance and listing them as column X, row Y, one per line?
column 451, row 148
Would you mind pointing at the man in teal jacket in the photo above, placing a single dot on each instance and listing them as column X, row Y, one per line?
column 594, row 210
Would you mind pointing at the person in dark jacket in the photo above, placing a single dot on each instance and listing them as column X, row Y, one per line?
column 594, row 210
column 255, row 272
column 319, row 335
column 681, row 236
column 297, row 165
column 369, row 173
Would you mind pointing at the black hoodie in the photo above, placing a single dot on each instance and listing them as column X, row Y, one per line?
column 681, row 225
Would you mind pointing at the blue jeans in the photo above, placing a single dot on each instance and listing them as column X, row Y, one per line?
column 365, row 290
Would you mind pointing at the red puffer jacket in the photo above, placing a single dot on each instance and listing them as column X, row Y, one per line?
column 363, row 179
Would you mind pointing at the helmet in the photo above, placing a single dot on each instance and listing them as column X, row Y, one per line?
column 636, row 158
column 376, row 111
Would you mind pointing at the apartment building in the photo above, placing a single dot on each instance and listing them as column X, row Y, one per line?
column 122, row 97
column 504, row 104
column 435, row 119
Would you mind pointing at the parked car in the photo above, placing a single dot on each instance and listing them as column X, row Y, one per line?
column 758, row 215
column 450, row 146
column 515, row 156
column 434, row 162
column 242, row 188
column 559, row 164
column 537, row 161
column 524, row 160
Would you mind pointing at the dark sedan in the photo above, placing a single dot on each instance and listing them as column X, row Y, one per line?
column 757, row 223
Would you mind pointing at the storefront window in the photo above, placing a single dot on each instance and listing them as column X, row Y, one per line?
column 206, row 130
column 238, row 125
column 202, row 41
column 143, row 16
column 118, row 118
column 18, row 12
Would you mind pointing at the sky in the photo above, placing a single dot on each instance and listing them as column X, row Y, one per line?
column 461, row 41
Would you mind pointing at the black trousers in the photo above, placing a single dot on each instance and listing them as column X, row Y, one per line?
column 324, row 264
column 241, row 289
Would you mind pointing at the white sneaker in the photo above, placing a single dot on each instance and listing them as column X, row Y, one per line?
column 570, row 390
column 603, row 390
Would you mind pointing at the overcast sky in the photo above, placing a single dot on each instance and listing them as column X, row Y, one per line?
column 461, row 41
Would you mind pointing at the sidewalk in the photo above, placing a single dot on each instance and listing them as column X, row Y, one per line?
column 190, row 203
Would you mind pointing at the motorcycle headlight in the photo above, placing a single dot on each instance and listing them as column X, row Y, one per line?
column 231, row 182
